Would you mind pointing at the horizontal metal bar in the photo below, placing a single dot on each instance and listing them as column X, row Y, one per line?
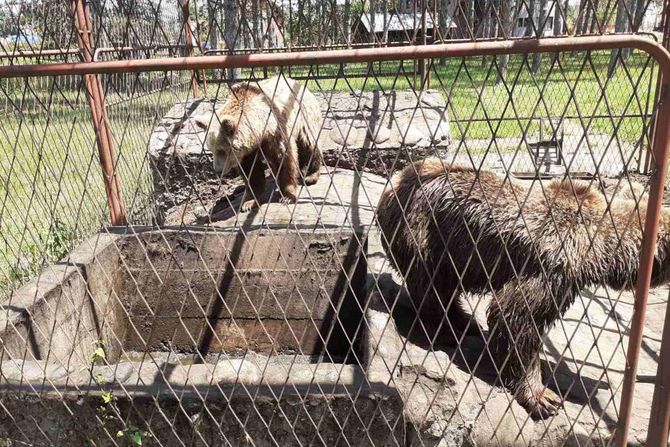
column 251, row 50
column 545, row 45
column 38, row 53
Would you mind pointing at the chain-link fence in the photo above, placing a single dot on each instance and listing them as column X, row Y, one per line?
column 333, row 223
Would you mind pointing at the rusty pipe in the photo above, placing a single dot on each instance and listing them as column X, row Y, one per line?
column 651, row 225
column 103, row 50
column 100, row 120
column 460, row 49
column 38, row 53
column 72, row 51
column 245, row 50
column 659, row 419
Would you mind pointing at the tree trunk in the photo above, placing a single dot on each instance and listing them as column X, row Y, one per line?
column 230, row 32
column 559, row 23
column 594, row 20
column 621, row 25
column 255, row 20
column 271, row 25
column 640, row 9
column 442, row 24
column 507, row 23
column 469, row 19
column 214, row 30
column 385, row 10
column 558, row 18
column 213, row 23
column 530, row 20
column 486, row 31
column 347, row 20
column 582, row 17
column 537, row 57
column 373, row 10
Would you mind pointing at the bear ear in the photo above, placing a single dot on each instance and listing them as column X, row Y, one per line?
column 202, row 121
column 228, row 124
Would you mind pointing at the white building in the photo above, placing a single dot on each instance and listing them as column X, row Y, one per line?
column 653, row 17
column 523, row 20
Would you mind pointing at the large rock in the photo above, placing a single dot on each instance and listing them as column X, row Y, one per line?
column 367, row 131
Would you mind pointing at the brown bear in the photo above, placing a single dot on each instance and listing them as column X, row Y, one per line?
column 449, row 229
column 275, row 121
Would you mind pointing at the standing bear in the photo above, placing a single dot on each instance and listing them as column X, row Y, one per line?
column 449, row 229
column 276, row 121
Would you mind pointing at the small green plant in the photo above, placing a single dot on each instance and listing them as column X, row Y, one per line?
column 108, row 397
column 134, row 434
column 108, row 410
column 98, row 357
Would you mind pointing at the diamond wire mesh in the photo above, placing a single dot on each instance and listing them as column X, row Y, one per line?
column 287, row 324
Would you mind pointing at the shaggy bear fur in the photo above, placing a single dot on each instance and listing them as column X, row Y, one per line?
column 448, row 229
column 275, row 120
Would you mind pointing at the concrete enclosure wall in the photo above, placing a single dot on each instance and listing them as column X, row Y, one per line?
column 267, row 291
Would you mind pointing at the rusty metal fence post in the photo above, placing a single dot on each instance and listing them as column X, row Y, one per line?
column 660, row 148
column 101, row 126
column 659, row 419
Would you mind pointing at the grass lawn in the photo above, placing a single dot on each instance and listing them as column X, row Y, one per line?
column 480, row 109
column 51, row 190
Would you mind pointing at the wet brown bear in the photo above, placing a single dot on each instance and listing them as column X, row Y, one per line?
column 276, row 121
column 535, row 249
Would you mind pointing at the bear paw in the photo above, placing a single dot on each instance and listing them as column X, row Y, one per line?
column 287, row 199
column 248, row 205
column 544, row 405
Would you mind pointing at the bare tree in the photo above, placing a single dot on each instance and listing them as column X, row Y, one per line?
column 560, row 18
column 385, row 11
column 530, row 20
column 470, row 17
column 373, row 11
column 621, row 25
column 507, row 25
column 537, row 57
column 347, row 20
column 583, row 17
column 213, row 34
column 442, row 21
column 256, row 19
column 231, row 25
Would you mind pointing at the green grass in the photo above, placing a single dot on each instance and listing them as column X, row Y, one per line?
column 51, row 189
column 481, row 109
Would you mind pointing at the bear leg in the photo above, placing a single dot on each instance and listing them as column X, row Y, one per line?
column 287, row 176
column 254, row 177
column 439, row 307
column 282, row 158
column 310, row 160
column 518, row 318
column 314, row 166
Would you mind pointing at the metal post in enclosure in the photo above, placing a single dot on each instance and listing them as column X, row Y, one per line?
column 188, row 41
column 99, row 117
column 659, row 418
column 464, row 49
column 660, row 154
